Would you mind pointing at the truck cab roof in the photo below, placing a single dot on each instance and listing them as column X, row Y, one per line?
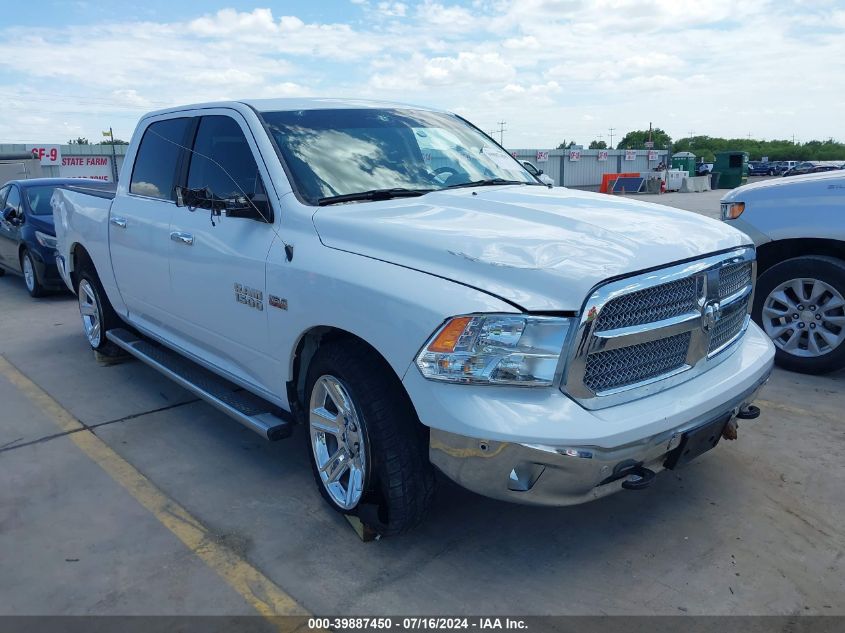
column 288, row 104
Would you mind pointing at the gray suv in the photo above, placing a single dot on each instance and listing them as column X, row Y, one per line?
column 798, row 226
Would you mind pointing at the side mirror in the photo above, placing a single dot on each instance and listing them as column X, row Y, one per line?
column 256, row 209
column 530, row 168
column 539, row 172
column 9, row 214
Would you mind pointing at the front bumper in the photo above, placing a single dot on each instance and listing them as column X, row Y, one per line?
column 591, row 448
column 45, row 267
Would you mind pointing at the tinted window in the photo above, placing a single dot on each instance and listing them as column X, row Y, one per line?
column 735, row 161
column 154, row 173
column 222, row 160
column 39, row 200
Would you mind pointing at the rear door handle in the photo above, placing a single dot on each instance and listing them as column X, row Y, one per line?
column 183, row 238
column 119, row 222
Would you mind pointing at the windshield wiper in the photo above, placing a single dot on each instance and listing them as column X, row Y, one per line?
column 489, row 182
column 373, row 194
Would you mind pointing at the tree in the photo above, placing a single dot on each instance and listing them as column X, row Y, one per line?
column 636, row 139
column 117, row 141
column 705, row 147
column 598, row 145
column 80, row 140
column 566, row 145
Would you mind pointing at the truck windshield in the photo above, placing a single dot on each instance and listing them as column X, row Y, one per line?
column 344, row 152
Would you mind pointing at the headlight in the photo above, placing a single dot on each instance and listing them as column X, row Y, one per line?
column 47, row 241
column 495, row 349
column 732, row 210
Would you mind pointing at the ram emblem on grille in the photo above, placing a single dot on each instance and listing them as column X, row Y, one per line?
column 711, row 312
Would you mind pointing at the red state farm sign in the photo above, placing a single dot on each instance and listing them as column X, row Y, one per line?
column 95, row 167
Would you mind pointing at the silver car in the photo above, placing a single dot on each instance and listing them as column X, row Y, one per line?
column 798, row 226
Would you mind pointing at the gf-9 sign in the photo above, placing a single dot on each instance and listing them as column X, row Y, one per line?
column 47, row 154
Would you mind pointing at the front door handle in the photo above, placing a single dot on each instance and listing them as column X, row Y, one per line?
column 118, row 222
column 183, row 238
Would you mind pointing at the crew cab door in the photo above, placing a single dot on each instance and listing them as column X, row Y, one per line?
column 218, row 262
column 139, row 224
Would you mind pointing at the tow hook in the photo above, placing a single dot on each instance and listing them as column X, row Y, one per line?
column 748, row 412
column 638, row 478
column 635, row 475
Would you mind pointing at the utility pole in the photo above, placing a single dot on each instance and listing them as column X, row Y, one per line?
column 110, row 135
column 611, row 136
column 501, row 125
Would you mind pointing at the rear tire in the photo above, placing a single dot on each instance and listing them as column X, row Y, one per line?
column 30, row 275
column 800, row 304
column 366, row 435
column 98, row 316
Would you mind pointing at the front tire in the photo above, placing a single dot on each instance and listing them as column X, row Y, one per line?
column 369, row 454
column 97, row 314
column 800, row 304
column 30, row 276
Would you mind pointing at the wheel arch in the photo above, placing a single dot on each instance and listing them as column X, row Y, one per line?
column 772, row 253
column 79, row 258
column 306, row 347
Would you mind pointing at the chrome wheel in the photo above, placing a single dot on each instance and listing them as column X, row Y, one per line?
column 338, row 442
column 29, row 273
column 90, row 312
column 805, row 317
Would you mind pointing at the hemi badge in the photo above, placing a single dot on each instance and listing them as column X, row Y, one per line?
column 278, row 302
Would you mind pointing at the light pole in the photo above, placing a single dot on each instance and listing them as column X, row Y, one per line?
column 502, row 133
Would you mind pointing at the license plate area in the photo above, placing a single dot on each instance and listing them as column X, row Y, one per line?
column 697, row 441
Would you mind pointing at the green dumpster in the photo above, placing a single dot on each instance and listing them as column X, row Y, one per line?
column 734, row 169
column 685, row 161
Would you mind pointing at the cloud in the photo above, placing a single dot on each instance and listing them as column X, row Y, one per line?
column 553, row 69
column 392, row 9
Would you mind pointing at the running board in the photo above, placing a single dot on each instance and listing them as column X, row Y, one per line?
column 253, row 412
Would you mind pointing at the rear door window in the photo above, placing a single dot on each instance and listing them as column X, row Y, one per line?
column 155, row 171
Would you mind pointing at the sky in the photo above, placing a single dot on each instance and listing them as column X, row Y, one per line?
column 552, row 70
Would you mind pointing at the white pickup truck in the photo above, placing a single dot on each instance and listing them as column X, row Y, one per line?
column 393, row 280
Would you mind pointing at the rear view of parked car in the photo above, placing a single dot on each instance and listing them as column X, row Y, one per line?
column 759, row 168
column 27, row 237
column 798, row 226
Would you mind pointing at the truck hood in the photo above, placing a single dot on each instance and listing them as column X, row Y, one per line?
column 539, row 248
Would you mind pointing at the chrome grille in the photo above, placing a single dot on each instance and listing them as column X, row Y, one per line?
column 645, row 333
column 734, row 278
column 652, row 304
column 728, row 326
column 624, row 366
